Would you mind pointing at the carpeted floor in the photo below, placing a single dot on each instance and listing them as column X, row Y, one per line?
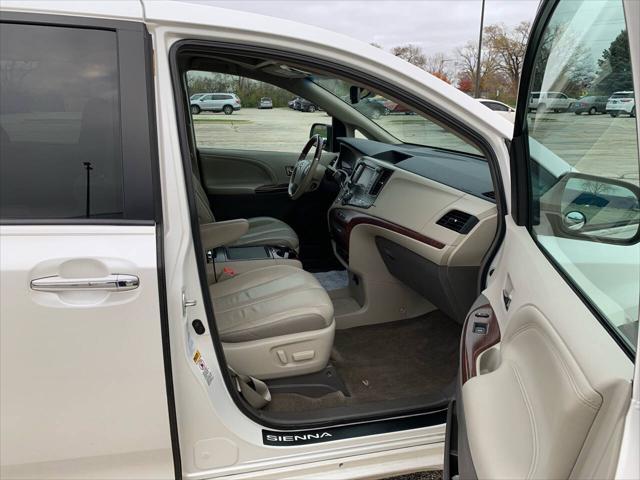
column 333, row 280
column 388, row 361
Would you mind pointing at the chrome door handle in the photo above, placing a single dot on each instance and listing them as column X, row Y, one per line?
column 116, row 282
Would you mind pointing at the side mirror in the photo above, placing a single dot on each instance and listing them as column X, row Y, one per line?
column 593, row 208
column 325, row 131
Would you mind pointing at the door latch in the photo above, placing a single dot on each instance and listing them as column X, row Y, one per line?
column 187, row 303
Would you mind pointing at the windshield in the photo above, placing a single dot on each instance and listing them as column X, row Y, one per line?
column 402, row 122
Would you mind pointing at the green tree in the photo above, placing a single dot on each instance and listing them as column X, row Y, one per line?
column 615, row 66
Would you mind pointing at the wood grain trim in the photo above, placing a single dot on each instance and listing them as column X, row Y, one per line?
column 473, row 344
column 347, row 220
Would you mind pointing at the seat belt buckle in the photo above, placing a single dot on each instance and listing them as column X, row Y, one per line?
column 227, row 272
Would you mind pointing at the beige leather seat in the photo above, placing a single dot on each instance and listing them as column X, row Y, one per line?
column 274, row 322
column 262, row 230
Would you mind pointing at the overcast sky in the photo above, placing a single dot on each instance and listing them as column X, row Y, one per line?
column 435, row 25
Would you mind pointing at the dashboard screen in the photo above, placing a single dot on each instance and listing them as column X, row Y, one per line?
column 364, row 174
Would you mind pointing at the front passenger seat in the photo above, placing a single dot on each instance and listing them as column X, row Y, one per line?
column 262, row 230
column 274, row 322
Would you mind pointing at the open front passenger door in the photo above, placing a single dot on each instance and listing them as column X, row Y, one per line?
column 547, row 353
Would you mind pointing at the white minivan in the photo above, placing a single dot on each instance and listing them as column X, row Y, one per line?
column 336, row 295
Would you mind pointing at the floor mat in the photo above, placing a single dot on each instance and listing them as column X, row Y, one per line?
column 333, row 280
column 388, row 361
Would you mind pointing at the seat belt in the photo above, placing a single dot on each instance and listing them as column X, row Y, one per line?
column 254, row 391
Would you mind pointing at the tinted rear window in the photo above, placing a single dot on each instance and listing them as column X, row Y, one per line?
column 60, row 138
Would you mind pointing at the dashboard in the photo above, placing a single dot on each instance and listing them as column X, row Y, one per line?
column 465, row 172
column 416, row 216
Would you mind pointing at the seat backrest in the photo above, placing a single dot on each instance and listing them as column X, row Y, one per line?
column 205, row 215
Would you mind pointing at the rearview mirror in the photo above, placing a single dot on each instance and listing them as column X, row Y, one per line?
column 325, row 131
column 593, row 208
column 358, row 93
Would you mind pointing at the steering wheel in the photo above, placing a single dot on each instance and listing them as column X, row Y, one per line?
column 304, row 170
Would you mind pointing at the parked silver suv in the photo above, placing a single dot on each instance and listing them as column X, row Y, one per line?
column 215, row 102
column 550, row 101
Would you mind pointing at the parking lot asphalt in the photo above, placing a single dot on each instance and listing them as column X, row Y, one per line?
column 581, row 140
column 585, row 141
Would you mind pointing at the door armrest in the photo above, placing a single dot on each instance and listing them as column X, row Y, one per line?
column 217, row 234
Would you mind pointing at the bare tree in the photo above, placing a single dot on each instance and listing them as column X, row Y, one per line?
column 467, row 59
column 13, row 72
column 439, row 65
column 411, row 53
column 566, row 65
column 509, row 47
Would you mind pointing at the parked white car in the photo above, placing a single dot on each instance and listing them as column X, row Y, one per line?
column 216, row 102
column 503, row 109
column 188, row 298
column 550, row 101
column 621, row 103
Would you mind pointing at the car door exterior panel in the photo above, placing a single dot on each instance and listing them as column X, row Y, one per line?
column 83, row 392
column 82, row 371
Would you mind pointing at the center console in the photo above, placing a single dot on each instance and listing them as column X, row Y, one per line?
column 230, row 261
column 360, row 190
column 365, row 184
column 260, row 252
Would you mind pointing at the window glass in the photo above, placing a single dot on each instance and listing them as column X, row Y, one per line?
column 59, row 123
column 244, row 125
column 498, row 107
column 585, row 179
column 404, row 123
column 358, row 134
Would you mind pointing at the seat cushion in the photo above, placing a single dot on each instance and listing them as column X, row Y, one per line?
column 269, row 231
column 262, row 230
column 269, row 302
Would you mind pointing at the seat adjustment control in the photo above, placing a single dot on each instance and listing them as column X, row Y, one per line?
column 306, row 355
column 282, row 356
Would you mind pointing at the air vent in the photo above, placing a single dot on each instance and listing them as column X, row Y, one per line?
column 458, row 221
column 491, row 195
column 380, row 182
